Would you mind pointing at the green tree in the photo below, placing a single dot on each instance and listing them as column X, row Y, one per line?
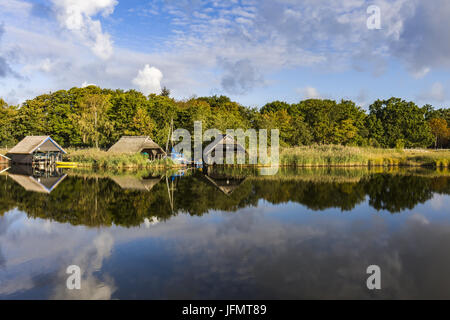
column 92, row 119
column 396, row 119
column 8, row 115
column 165, row 92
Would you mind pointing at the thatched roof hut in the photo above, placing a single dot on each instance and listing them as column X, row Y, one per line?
column 227, row 144
column 32, row 144
column 36, row 148
column 138, row 144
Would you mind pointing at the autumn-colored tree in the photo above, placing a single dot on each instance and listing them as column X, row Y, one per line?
column 142, row 124
column 440, row 131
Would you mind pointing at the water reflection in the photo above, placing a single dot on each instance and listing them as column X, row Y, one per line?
column 127, row 200
column 35, row 180
column 228, row 235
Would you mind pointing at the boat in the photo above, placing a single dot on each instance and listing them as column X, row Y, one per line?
column 178, row 158
column 66, row 164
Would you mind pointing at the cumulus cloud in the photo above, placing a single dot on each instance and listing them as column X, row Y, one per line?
column 424, row 39
column 148, row 80
column 203, row 36
column 86, row 84
column 78, row 16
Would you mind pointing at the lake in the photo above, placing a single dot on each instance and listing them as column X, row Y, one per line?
column 225, row 234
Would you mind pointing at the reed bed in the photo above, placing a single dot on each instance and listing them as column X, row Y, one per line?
column 325, row 156
column 93, row 158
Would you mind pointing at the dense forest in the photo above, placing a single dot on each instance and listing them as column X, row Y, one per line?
column 95, row 117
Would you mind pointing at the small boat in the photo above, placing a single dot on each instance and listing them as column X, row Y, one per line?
column 67, row 164
column 178, row 158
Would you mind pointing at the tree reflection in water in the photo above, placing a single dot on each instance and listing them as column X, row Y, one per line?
column 93, row 199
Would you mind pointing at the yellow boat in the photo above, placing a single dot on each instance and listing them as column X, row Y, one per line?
column 66, row 164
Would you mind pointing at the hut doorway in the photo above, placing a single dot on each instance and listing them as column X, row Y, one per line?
column 153, row 154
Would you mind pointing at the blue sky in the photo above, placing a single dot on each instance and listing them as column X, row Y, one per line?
column 253, row 51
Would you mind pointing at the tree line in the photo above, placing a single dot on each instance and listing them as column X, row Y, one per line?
column 96, row 117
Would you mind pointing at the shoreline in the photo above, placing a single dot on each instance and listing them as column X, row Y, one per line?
column 321, row 156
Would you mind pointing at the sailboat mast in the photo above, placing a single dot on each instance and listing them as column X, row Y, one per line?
column 168, row 137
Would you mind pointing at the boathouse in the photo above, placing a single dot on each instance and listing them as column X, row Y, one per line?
column 42, row 150
column 139, row 144
column 228, row 145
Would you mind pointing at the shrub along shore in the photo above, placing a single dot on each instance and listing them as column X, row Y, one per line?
column 306, row 156
column 335, row 155
column 98, row 159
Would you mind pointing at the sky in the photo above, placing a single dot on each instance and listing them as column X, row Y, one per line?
column 254, row 51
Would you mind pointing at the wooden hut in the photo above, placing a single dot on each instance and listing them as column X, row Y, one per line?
column 228, row 145
column 4, row 160
column 138, row 144
column 42, row 150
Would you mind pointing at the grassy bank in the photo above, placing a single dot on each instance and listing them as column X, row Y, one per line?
column 317, row 156
column 313, row 156
column 93, row 158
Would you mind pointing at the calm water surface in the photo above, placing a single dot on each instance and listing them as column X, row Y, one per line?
column 225, row 235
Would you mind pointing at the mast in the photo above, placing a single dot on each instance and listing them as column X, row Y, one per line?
column 170, row 136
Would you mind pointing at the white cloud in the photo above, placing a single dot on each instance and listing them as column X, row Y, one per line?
column 149, row 80
column 309, row 93
column 86, row 84
column 278, row 35
column 77, row 17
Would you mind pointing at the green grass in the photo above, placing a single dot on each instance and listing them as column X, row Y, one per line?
column 333, row 155
column 94, row 158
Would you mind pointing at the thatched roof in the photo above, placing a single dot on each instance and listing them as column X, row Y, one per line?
column 226, row 140
column 133, row 183
column 40, row 185
column 32, row 143
column 128, row 144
